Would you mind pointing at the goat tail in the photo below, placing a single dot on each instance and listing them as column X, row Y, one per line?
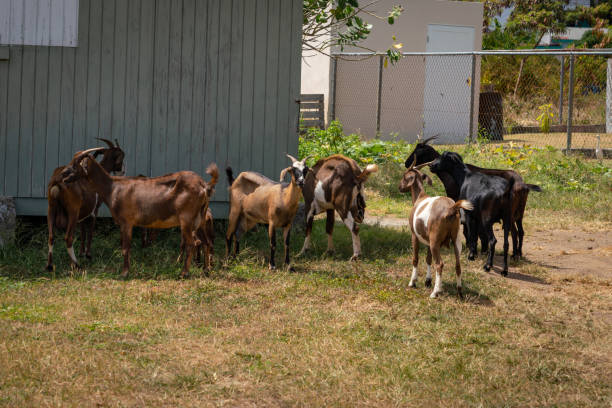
column 230, row 175
column 534, row 187
column 54, row 192
column 213, row 172
column 57, row 211
column 453, row 211
column 465, row 204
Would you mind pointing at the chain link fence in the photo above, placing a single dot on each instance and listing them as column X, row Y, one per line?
column 540, row 98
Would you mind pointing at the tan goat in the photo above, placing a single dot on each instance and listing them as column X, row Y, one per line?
column 255, row 199
column 434, row 221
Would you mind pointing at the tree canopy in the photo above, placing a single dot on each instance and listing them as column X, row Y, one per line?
column 328, row 23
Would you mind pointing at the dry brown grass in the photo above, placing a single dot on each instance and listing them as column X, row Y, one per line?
column 332, row 334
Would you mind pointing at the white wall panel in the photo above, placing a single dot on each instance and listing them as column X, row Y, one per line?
column 39, row 22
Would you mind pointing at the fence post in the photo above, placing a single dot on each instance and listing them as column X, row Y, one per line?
column 472, row 97
column 570, row 105
column 561, row 89
column 609, row 97
column 331, row 114
column 380, row 75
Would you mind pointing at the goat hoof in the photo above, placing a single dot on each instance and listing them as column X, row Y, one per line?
column 183, row 275
column 428, row 282
column 272, row 267
column 433, row 295
column 49, row 268
column 487, row 267
column 471, row 257
column 412, row 285
column 504, row 273
column 354, row 258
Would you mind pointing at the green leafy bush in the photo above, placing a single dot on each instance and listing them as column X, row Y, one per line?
column 320, row 143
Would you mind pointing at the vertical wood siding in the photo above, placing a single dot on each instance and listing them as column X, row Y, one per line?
column 39, row 22
column 179, row 83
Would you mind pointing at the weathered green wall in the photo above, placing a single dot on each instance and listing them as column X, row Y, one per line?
column 179, row 83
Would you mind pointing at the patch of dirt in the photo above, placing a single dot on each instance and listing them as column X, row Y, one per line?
column 571, row 253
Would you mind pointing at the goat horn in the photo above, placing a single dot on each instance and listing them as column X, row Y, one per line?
column 108, row 142
column 88, row 151
column 293, row 159
column 420, row 166
column 430, row 139
column 116, row 143
column 306, row 158
column 412, row 165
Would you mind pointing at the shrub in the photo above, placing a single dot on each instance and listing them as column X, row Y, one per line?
column 320, row 143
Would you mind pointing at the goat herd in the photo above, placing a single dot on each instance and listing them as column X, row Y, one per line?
column 334, row 185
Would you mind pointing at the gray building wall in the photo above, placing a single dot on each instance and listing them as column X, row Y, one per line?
column 179, row 83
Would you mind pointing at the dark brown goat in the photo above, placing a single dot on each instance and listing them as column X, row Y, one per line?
column 77, row 202
column 177, row 199
column 336, row 184
column 423, row 153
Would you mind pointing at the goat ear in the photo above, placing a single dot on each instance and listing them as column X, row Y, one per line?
column 370, row 168
column 426, row 178
column 284, row 173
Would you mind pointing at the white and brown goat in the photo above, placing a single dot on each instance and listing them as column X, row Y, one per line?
column 70, row 204
column 175, row 200
column 434, row 221
column 256, row 199
column 336, row 184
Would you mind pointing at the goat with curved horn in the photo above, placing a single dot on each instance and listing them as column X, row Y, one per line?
column 108, row 142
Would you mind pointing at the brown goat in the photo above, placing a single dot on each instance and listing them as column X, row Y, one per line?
column 177, row 199
column 69, row 204
column 336, row 184
column 204, row 237
column 255, row 199
column 434, row 221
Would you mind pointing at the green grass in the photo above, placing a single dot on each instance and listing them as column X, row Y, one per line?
column 333, row 333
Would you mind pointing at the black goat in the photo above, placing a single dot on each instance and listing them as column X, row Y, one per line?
column 424, row 153
column 491, row 197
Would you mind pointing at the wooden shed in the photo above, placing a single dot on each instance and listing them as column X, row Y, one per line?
column 179, row 84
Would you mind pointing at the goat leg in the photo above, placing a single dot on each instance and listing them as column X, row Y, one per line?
column 309, row 220
column 521, row 234
column 515, row 242
column 506, row 227
column 49, row 266
column 439, row 264
column 72, row 221
column 272, row 236
column 428, row 276
column 492, row 241
column 286, row 238
column 83, row 237
column 126, row 241
column 457, row 250
column 415, row 260
column 329, row 229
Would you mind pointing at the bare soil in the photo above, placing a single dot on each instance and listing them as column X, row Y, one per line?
column 569, row 254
